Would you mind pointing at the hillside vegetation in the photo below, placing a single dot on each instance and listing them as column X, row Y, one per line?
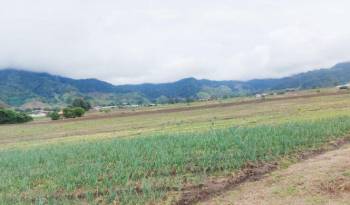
column 21, row 87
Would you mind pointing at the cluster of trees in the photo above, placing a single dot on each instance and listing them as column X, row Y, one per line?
column 167, row 100
column 12, row 117
column 77, row 109
column 73, row 112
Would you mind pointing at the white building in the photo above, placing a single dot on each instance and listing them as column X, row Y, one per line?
column 343, row 87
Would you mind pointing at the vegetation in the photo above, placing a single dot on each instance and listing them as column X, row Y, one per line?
column 192, row 120
column 150, row 156
column 12, row 117
column 143, row 169
column 73, row 112
column 54, row 115
column 79, row 102
column 162, row 100
column 215, row 93
column 78, row 109
column 20, row 87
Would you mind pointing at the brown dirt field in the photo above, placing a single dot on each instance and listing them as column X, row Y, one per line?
column 190, row 108
column 321, row 180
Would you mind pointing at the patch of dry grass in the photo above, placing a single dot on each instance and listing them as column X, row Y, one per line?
column 322, row 180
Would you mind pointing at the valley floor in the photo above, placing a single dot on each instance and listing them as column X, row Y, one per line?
column 199, row 116
column 322, row 180
column 161, row 155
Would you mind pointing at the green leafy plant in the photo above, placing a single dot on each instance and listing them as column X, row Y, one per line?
column 12, row 117
column 150, row 164
column 79, row 102
column 54, row 115
column 73, row 112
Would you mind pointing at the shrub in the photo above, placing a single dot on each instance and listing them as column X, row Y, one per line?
column 13, row 117
column 78, row 111
column 54, row 115
column 73, row 112
column 81, row 103
column 68, row 113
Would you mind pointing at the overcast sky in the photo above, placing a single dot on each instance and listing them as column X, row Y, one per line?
column 133, row 41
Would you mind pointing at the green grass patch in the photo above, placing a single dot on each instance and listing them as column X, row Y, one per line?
column 145, row 169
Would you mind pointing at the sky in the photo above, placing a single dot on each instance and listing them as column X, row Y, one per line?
column 135, row 41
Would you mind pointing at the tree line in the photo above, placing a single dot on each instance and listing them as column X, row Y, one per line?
column 76, row 109
column 8, row 116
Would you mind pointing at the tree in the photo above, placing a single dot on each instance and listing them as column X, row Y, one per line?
column 54, row 115
column 13, row 117
column 162, row 100
column 79, row 102
column 73, row 112
column 68, row 112
column 203, row 95
column 78, row 111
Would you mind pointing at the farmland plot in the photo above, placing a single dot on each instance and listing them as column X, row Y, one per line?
column 158, row 165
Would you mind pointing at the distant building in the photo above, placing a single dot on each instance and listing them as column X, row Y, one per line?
column 98, row 108
column 261, row 95
column 290, row 90
column 343, row 87
column 39, row 113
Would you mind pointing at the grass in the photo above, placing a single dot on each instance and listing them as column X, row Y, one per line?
column 185, row 121
column 146, row 169
column 145, row 158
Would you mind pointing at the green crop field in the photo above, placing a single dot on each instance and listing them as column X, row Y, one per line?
column 149, row 158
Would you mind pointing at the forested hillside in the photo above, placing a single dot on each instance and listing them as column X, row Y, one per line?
column 18, row 87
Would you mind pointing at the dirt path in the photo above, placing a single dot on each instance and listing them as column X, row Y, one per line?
column 321, row 180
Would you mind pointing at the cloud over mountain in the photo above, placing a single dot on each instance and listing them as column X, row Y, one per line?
column 162, row 40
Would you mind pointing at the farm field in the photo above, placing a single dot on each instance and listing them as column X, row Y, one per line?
column 324, row 179
column 156, row 156
column 177, row 118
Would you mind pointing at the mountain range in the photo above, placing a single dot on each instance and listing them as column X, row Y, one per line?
column 25, row 88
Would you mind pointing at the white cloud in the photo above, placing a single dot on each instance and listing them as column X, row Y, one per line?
column 162, row 40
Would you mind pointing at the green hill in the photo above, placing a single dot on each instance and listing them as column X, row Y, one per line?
column 18, row 87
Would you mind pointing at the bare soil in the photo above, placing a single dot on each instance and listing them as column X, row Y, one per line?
column 322, row 180
column 322, row 176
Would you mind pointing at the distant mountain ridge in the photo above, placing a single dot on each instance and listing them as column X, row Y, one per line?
column 18, row 87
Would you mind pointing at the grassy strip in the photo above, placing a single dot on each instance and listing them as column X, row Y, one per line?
column 144, row 169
